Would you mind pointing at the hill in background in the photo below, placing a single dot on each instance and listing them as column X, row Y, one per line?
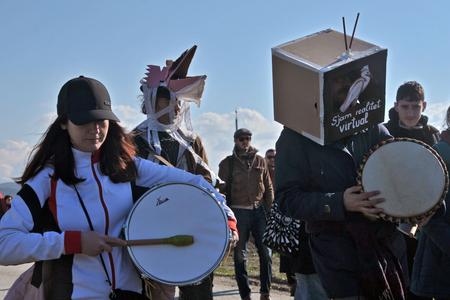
column 9, row 188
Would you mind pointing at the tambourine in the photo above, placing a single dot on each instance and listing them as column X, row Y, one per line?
column 411, row 177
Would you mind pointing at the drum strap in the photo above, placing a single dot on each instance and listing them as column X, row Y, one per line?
column 163, row 160
column 144, row 150
column 137, row 191
column 92, row 228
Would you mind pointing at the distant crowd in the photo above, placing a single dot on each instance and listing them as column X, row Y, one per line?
column 5, row 203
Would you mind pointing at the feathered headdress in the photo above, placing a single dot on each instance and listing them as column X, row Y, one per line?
column 183, row 89
column 174, row 77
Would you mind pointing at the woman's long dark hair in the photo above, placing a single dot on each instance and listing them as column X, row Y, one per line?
column 54, row 149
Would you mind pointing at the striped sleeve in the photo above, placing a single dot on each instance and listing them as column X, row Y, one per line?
column 18, row 244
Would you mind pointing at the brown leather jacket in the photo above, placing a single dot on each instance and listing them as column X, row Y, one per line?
column 250, row 183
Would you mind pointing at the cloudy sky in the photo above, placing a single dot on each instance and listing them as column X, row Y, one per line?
column 46, row 42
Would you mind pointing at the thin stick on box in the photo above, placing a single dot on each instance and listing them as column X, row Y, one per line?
column 354, row 29
column 345, row 33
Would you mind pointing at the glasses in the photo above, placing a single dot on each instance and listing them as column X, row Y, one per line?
column 244, row 138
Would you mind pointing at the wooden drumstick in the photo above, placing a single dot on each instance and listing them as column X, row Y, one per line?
column 176, row 240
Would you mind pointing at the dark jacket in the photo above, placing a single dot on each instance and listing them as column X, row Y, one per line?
column 145, row 150
column 251, row 184
column 424, row 132
column 432, row 261
column 311, row 180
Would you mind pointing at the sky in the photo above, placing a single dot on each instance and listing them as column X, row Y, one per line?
column 45, row 43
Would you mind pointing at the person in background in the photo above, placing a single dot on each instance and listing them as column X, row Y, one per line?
column 406, row 119
column 432, row 260
column 7, row 199
column 249, row 193
column 270, row 160
column 5, row 204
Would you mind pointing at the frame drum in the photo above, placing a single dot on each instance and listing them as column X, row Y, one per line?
column 410, row 176
column 177, row 209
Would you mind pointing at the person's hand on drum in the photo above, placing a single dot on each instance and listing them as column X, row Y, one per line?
column 356, row 200
column 93, row 243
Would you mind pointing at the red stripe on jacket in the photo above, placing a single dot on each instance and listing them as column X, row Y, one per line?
column 52, row 200
column 94, row 159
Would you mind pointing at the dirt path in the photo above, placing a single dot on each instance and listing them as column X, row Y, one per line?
column 225, row 288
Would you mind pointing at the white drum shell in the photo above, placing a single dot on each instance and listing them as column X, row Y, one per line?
column 177, row 209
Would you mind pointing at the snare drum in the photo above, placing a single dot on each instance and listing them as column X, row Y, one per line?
column 410, row 176
column 177, row 209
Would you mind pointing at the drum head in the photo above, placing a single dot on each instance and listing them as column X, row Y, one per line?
column 409, row 176
column 174, row 209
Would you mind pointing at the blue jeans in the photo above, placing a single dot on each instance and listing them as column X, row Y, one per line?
column 309, row 287
column 251, row 221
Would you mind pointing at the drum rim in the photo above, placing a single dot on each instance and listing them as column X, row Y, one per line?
column 147, row 275
column 411, row 219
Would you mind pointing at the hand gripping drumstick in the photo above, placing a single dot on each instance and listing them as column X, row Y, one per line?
column 176, row 240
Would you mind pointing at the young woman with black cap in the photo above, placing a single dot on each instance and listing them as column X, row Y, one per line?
column 77, row 190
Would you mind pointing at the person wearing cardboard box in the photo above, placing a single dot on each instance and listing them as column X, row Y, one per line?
column 318, row 153
column 353, row 256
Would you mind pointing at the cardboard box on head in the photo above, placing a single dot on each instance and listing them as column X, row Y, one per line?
column 325, row 93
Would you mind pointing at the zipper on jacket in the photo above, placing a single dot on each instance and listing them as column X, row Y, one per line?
column 105, row 209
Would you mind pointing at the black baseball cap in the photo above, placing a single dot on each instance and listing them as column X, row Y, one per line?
column 242, row 132
column 84, row 100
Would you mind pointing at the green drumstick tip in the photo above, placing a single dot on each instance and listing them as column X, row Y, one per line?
column 180, row 240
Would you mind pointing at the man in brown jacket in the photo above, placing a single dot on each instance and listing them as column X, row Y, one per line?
column 249, row 194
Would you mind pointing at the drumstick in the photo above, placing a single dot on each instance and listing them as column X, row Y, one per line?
column 176, row 240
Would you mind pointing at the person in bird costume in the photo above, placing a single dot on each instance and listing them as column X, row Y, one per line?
column 167, row 137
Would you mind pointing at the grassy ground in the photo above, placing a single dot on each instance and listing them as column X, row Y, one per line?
column 227, row 267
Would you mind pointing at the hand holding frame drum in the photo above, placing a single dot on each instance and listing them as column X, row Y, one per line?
column 411, row 177
column 177, row 209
